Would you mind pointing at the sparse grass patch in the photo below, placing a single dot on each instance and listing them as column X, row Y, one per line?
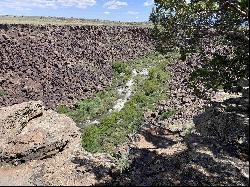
column 114, row 129
column 90, row 108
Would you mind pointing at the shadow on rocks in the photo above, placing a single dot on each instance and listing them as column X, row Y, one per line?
column 101, row 172
column 190, row 168
column 211, row 157
column 227, row 123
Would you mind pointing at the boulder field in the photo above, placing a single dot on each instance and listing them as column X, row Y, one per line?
column 63, row 64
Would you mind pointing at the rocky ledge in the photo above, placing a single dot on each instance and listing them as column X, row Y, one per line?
column 41, row 147
column 28, row 132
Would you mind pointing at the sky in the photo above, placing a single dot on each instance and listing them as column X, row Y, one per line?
column 115, row 10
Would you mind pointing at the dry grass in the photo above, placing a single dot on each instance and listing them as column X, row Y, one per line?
column 41, row 20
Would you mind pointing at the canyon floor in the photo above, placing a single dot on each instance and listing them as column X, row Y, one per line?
column 182, row 140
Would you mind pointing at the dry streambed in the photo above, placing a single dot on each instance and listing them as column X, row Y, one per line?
column 108, row 118
column 124, row 94
column 47, row 146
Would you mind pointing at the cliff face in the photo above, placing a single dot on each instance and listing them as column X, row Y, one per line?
column 62, row 64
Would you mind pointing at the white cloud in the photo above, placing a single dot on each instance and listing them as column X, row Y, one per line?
column 149, row 3
column 114, row 4
column 28, row 4
column 107, row 13
column 133, row 13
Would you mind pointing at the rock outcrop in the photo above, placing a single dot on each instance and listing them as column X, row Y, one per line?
column 28, row 132
column 41, row 147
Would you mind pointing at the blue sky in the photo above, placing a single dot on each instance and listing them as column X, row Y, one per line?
column 115, row 10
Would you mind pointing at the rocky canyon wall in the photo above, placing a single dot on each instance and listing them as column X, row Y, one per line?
column 63, row 64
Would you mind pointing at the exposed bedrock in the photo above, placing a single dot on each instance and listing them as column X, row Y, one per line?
column 41, row 147
column 63, row 64
column 28, row 132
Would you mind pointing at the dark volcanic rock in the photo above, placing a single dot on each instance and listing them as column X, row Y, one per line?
column 63, row 64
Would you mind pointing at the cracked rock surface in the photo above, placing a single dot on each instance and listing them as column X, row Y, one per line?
column 41, row 147
column 28, row 132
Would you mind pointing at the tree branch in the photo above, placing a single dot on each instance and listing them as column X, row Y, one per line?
column 233, row 34
column 235, row 7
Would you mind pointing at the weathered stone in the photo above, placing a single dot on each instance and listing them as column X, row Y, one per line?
column 48, row 151
column 14, row 118
column 29, row 132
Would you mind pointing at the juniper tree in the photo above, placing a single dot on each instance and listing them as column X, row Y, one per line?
column 217, row 30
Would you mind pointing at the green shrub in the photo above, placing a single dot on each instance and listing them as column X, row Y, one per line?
column 122, row 161
column 158, row 74
column 121, row 67
column 150, row 87
column 62, row 109
column 168, row 114
column 96, row 138
column 90, row 108
column 2, row 93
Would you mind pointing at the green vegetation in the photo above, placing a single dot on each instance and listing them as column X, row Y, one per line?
column 217, row 32
column 168, row 114
column 122, row 73
column 122, row 161
column 120, row 67
column 2, row 93
column 90, row 108
column 114, row 128
column 98, row 105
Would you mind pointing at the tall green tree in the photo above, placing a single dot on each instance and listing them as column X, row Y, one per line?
column 216, row 30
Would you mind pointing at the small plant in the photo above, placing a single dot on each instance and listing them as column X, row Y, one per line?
column 122, row 161
column 121, row 67
column 150, row 87
column 62, row 109
column 2, row 93
column 168, row 114
column 158, row 73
